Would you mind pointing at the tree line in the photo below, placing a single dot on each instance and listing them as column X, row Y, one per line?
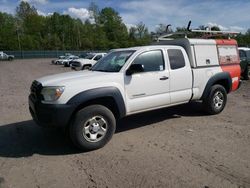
column 27, row 30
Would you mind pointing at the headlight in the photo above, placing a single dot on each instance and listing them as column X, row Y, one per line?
column 52, row 93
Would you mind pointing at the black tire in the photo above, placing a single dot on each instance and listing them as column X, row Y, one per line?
column 216, row 100
column 10, row 59
column 86, row 67
column 246, row 73
column 81, row 125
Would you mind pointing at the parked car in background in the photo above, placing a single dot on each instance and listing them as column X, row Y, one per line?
column 59, row 59
column 67, row 62
column 87, row 62
column 245, row 62
column 65, row 59
column 4, row 56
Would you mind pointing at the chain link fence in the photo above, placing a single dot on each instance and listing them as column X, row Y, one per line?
column 44, row 54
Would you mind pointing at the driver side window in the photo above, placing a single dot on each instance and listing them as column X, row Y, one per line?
column 151, row 61
column 98, row 57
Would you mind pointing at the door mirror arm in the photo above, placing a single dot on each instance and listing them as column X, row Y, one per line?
column 134, row 68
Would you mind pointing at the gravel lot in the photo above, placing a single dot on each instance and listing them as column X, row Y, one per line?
column 174, row 147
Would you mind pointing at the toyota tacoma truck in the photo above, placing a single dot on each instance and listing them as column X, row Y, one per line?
column 134, row 80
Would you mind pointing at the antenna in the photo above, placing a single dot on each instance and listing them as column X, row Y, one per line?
column 189, row 24
column 169, row 25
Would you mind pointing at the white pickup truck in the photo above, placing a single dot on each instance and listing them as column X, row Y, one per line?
column 134, row 80
column 86, row 62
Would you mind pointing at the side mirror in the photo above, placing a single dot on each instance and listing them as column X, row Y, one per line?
column 134, row 68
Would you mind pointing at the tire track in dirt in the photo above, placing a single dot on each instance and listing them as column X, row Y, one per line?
column 220, row 170
column 1, row 182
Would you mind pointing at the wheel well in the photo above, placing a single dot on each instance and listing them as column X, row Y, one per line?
column 108, row 102
column 224, row 83
column 87, row 65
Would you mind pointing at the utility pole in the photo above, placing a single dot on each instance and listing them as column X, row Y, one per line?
column 18, row 39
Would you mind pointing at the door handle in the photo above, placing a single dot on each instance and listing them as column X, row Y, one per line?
column 164, row 78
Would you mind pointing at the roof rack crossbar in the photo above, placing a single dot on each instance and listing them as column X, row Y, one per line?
column 207, row 33
column 214, row 32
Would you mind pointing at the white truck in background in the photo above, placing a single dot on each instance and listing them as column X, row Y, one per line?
column 86, row 62
column 4, row 56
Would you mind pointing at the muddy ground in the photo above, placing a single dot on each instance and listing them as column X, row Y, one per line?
column 173, row 147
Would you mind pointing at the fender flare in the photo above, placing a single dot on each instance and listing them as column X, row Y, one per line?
column 225, row 76
column 88, row 64
column 102, row 92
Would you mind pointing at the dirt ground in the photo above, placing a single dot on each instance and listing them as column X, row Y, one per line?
column 173, row 147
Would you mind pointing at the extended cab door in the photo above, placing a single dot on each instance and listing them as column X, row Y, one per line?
column 180, row 76
column 148, row 89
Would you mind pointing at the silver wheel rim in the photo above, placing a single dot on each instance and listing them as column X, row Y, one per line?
column 218, row 100
column 95, row 129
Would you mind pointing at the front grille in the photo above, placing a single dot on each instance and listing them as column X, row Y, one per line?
column 35, row 90
column 75, row 64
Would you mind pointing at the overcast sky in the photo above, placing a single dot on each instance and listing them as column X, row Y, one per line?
column 227, row 14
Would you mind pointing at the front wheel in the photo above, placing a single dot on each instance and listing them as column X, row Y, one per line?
column 216, row 100
column 93, row 127
column 86, row 67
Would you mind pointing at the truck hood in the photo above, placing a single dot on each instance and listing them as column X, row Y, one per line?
column 86, row 61
column 71, row 78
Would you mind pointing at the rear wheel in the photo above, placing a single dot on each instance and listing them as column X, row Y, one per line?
column 216, row 100
column 92, row 127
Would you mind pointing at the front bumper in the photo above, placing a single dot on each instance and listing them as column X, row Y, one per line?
column 50, row 115
column 76, row 68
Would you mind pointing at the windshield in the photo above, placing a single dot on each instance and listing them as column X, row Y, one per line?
column 112, row 62
column 90, row 56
